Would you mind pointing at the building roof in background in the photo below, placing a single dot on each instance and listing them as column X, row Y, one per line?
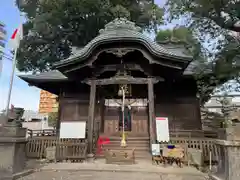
column 214, row 103
column 28, row 115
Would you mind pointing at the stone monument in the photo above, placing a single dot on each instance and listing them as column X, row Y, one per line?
column 12, row 146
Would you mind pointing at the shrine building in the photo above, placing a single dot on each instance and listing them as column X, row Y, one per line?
column 158, row 81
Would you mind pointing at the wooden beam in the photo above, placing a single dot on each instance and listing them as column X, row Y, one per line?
column 123, row 80
column 91, row 115
column 82, row 65
column 115, row 67
column 152, row 123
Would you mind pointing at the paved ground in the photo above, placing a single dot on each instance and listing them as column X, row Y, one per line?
column 90, row 175
column 99, row 170
column 140, row 166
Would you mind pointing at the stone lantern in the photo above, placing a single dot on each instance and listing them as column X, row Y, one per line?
column 12, row 144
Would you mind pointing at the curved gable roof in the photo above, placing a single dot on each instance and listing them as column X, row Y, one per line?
column 122, row 30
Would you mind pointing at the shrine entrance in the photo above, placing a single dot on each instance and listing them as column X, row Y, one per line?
column 136, row 118
column 125, row 123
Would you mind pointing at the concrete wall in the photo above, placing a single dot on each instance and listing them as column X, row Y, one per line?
column 36, row 125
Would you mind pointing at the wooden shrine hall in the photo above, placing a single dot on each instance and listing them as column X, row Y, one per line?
column 157, row 81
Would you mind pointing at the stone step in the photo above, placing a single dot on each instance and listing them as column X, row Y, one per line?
column 128, row 134
column 130, row 143
column 128, row 138
column 128, row 147
column 137, row 148
column 140, row 144
column 142, row 155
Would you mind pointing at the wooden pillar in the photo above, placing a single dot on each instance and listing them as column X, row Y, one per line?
column 58, row 125
column 102, row 111
column 91, row 115
column 152, row 123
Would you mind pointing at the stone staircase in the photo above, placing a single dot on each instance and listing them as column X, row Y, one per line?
column 140, row 144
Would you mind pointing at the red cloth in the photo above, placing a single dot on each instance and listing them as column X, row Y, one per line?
column 102, row 141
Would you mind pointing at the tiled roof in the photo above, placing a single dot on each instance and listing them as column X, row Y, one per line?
column 122, row 30
column 195, row 66
column 45, row 76
column 180, row 50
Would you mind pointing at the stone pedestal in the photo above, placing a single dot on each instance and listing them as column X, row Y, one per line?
column 12, row 151
column 120, row 156
column 90, row 158
column 229, row 161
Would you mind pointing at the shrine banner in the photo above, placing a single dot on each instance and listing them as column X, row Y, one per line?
column 162, row 129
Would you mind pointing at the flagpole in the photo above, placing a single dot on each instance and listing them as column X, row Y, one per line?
column 11, row 81
column 13, row 66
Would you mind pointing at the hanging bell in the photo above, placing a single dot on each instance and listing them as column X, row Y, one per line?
column 120, row 92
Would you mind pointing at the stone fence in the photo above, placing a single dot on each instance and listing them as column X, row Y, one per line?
column 229, row 154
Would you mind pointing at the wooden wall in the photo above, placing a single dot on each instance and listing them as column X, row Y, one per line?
column 179, row 103
column 183, row 114
column 74, row 107
column 172, row 100
column 139, row 120
column 111, row 120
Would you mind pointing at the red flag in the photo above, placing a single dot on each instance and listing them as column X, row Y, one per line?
column 14, row 34
column 16, row 37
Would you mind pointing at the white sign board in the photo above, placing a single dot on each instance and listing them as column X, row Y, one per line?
column 156, row 149
column 73, row 130
column 162, row 129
